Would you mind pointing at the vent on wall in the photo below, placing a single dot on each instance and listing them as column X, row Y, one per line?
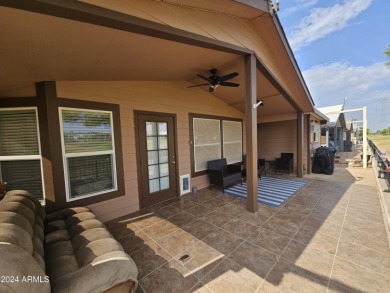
column 184, row 184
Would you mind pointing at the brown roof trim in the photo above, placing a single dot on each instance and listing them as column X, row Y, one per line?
column 84, row 12
column 260, row 5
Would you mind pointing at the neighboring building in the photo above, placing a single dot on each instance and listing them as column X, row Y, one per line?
column 95, row 107
column 333, row 133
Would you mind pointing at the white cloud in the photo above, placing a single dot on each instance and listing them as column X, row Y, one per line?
column 323, row 21
column 299, row 5
column 330, row 83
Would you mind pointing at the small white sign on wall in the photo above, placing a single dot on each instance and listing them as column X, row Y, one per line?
column 184, row 184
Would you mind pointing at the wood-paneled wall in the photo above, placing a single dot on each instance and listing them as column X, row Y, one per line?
column 164, row 97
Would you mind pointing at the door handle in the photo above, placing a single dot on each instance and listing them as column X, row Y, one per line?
column 173, row 162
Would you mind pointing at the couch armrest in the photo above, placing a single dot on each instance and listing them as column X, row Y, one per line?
column 103, row 273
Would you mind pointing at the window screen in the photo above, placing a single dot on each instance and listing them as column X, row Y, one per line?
column 20, row 159
column 232, row 141
column 89, row 157
column 207, row 142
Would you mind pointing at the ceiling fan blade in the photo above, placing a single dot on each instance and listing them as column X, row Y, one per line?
column 198, row 85
column 225, row 83
column 228, row 76
column 204, row 77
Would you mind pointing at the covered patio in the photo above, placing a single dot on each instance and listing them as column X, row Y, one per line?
column 330, row 237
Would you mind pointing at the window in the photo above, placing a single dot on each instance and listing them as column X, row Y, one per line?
column 20, row 153
column 88, row 152
column 214, row 138
column 207, row 142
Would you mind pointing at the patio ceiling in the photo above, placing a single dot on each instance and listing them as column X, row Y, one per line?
column 39, row 47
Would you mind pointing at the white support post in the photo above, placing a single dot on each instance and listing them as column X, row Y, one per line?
column 364, row 137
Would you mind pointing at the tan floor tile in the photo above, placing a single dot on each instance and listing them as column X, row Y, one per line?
column 213, row 204
column 289, row 277
column 284, row 227
column 199, row 228
column 200, row 288
column 313, row 260
column 257, row 218
column 231, row 209
column 269, row 240
column 218, row 219
column 254, row 258
column 146, row 220
column 239, row 228
column 229, row 276
column 366, row 206
column 314, row 239
column 267, row 287
column 321, row 226
column 368, row 227
column 361, row 237
column 177, row 242
column 149, row 258
column 169, row 278
column 198, row 210
column 160, row 230
column 168, row 212
column 223, row 241
column 135, row 242
column 123, row 229
column 364, row 256
column 364, row 215
column 337, row 288
column 357, row 278
column 200, row 256
column 181, row 219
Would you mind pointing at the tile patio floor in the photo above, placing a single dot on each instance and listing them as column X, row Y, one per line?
column 330, row 237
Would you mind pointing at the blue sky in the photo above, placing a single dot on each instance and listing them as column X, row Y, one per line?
column 339, row 47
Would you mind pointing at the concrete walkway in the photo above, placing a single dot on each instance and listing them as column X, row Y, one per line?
column 329, row 237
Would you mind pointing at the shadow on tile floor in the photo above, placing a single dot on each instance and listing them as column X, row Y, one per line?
column 329, row 237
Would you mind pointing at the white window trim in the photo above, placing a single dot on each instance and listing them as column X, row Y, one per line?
column 87, row 154
column 29, row 157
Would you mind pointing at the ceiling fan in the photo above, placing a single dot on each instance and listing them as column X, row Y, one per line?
column 215, row 80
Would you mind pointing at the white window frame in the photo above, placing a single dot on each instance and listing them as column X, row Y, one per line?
column 65, row 155
column 29, row 157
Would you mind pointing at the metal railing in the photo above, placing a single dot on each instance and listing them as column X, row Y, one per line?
column 383, row 163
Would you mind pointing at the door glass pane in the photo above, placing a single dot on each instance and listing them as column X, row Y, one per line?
column 150, row 128
column 163, row 156
column 157, row 156
column 164, row 170
column 164, row 183
column 154, row 185
column 162, row 128
column 153, row 171
column 162, row 142
column 152, row 157
column 151, row 143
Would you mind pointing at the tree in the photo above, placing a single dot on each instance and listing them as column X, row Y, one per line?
column 387, row 52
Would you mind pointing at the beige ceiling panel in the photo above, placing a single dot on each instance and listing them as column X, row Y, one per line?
column 129, row 7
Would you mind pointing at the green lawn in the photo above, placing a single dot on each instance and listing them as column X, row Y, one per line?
column 381, row 141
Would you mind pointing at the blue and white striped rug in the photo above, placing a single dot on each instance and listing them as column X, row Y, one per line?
column 271, row 191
